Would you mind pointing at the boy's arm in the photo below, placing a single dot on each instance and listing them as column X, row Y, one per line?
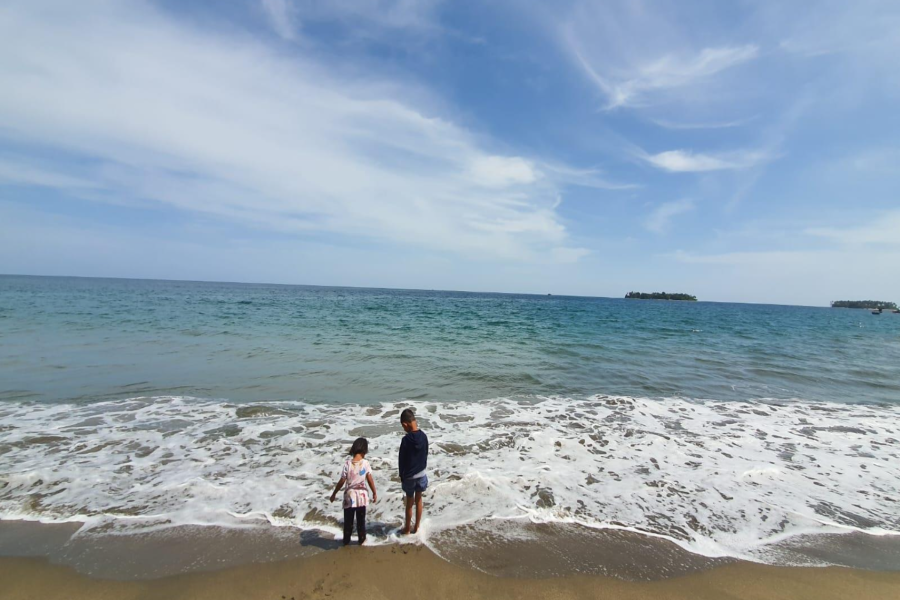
column 403, row 456
column 371, row 483
column 337, row 488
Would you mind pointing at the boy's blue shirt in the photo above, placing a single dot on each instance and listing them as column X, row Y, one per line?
column 413, row 454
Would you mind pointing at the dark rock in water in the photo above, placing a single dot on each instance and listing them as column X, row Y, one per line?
column 224, row 431
column 43, row 439
column 451, row 448
column 545, row 498
column 317, row 516
column 249, row 412
column 283, row 512
column 266, row 435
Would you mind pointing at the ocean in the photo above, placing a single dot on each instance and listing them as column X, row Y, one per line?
column 727, row 430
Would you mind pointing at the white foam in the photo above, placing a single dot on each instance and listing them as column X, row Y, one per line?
column 718, row 478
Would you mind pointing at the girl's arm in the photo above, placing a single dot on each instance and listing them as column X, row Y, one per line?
column 338, row 487
column 371, row 482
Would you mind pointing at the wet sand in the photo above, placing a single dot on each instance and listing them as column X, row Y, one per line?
column 407, row 572
column 523, row 549
column 164, row 553
column 540, row 550
column 495, row 558
column 501, row 548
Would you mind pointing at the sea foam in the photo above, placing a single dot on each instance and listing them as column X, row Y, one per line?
column 716, row 478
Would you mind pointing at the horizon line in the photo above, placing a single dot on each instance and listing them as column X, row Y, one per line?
column 396, row 289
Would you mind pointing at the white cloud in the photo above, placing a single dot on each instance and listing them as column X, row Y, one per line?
column 589, row 178
column 812, row 277
column 662, row 215
column 884, row 161
column 784, row 266
column 568, row 255
column 281, row 16
column 502, row 171
column 867, row 28
column 672, row 72
column 635, row 54
column 711, row 125
column 883, row 231
column 36, row 242
column 367, row 16
column 685, row 161
column 20, row 173
column 231, row 128
column 758, row 258
column 635, row 86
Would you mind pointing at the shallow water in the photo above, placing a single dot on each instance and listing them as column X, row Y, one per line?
column 137, row 406
column 716, row 478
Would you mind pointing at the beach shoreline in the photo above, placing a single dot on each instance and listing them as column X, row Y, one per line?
column 413, row 571
column 499, row 550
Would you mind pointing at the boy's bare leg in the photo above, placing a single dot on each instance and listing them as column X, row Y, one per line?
column 419, row 510
column 409, row 507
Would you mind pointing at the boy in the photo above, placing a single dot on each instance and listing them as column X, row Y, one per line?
column 413, row 462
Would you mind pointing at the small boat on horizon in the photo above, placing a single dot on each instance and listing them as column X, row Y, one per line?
column 877, row 311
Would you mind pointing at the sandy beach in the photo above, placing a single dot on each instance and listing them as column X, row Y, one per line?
column 400, row 572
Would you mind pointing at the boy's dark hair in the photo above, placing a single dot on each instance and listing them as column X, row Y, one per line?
column 407, row 416
column 360, row 446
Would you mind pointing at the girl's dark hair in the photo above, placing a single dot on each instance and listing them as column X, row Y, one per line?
column 360, row 446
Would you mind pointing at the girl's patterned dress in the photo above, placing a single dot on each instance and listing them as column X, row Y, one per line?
column 356, row 498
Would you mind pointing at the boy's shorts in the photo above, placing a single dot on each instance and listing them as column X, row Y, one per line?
column 411, row 486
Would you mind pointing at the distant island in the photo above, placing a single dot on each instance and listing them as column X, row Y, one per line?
column 864, row 304
column 660, row 296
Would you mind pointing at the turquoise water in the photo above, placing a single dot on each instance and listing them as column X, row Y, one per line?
column 727, row 429
column 68, row 339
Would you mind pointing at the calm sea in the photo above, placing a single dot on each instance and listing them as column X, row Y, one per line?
column 86, row 340
column 722, row 427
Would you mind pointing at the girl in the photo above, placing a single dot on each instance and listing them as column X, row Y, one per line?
column 356, row 472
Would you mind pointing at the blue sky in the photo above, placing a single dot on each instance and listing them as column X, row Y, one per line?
column 739, row 150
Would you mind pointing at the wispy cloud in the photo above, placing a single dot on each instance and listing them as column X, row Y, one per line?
column 588, row 178
column 754, row 258
column 634, row 55
column 367, row 16
column 881, row 161
column 503, row 171
column 883, row 231
column 568, row 255
column 812, row 277
column 662, row 215
column 230, row 128
column 829, row 27
column 792, row 267
column 636, row 86
column 14, row 172
column 685, row 161
column 281, row 16
column 710, row 125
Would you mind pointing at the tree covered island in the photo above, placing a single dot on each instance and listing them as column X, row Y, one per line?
column 864, row 304
column 660, row 296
